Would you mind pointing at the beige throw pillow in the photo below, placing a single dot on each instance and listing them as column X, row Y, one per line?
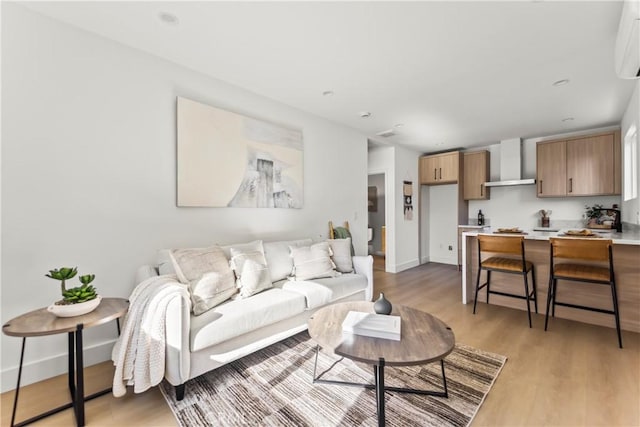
column 207, row 272
column 250, row 266
column 341, row 249
column 312, row 262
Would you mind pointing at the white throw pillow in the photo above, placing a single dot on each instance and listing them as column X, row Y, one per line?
column 279, row 259
column 312, row 262
column 251, row 269
column 207, row 272
column 341, row 249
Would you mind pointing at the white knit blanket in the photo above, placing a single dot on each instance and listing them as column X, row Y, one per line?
column 139, row 352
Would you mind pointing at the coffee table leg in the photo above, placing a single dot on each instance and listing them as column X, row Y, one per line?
column 444, row 380
column 378, row 372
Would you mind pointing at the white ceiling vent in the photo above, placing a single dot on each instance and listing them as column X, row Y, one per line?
column 386, row 133
column 627, row 53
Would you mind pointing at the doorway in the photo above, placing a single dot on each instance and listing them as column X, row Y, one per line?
column 377, row 246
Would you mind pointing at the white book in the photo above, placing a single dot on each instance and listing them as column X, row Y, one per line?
column 372, row 325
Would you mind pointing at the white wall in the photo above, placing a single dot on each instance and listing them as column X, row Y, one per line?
column 443, row 223
column 89, row 175
column 631, row 208
column 398, row 164
column 406, row 232
column 381, row 160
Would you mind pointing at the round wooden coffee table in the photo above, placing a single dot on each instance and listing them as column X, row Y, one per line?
column 424, row 339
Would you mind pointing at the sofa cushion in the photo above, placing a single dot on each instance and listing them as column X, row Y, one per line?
column 250, row 266
column 312, row 262
column 341, row 254
column 238, row 317
column 207, row 272
column 279, row 259
column 319, row 292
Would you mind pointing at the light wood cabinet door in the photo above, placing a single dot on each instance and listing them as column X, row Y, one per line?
column 551, row 169
column 476, row 173
column 449, row 168
column 428, row 170
column 440, row 168
column 590, row 166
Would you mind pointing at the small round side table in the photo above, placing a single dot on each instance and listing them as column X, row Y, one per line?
column 41, row 322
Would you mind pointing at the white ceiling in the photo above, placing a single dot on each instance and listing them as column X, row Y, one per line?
column 456, row 74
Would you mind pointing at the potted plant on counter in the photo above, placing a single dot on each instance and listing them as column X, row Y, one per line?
column 75, row 301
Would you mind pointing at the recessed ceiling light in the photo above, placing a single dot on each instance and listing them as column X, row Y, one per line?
column 561, row 82
column 398, row 125
column 168, row 18
column 567, row 119
column 327, row 93
column 364, row 114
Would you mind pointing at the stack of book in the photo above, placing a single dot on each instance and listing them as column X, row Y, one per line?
column 372, row 325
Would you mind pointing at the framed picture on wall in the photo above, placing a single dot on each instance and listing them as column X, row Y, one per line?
column 226, row 159
column 372, row 196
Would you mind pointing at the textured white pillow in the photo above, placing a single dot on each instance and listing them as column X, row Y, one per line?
column 341, row 249
column 312, row 262
column 207, row 272
column 251, row 269
column 279, row 259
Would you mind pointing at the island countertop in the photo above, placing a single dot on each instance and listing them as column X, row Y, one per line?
column 624, row 238
column 626, row 260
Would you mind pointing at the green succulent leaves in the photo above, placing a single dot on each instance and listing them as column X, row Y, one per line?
column 80, row 294
column 76, row 295
column 65, row 273
column 87, row 278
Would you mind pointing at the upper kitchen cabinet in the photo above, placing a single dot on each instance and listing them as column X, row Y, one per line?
column 440, row 168
column 582, row 166
column 476, row 173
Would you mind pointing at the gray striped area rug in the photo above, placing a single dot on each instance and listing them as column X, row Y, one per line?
column 273, row 387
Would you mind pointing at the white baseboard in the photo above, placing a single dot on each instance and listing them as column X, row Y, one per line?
column 43, row 369
column 444, row 260
column 425, row 259
column 406, row 265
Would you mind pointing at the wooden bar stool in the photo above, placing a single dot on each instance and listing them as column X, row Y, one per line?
column 595, row 266
column 511, row 260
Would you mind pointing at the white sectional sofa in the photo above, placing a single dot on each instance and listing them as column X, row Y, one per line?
column 235, row 328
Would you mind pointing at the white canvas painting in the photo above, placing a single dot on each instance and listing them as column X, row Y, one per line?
column 227, row 159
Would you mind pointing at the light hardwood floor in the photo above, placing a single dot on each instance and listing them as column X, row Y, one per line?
column 572, row 375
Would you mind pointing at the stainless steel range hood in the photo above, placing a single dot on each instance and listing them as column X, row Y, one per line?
column 510, row 165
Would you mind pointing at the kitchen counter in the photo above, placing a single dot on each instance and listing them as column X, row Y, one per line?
column 626, row 238
column 626, row 259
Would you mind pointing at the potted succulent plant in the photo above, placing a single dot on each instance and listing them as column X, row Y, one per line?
column 75, row 301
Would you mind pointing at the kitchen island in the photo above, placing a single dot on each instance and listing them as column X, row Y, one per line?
column 626, row 259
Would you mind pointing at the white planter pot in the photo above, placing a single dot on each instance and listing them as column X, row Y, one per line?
column 72, row 310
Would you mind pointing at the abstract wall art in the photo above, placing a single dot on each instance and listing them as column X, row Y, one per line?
column 226, row 159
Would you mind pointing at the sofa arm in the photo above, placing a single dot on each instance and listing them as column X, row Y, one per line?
column 177, row 329
column 364, row 265
column 177, row 354
column 145, row 272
